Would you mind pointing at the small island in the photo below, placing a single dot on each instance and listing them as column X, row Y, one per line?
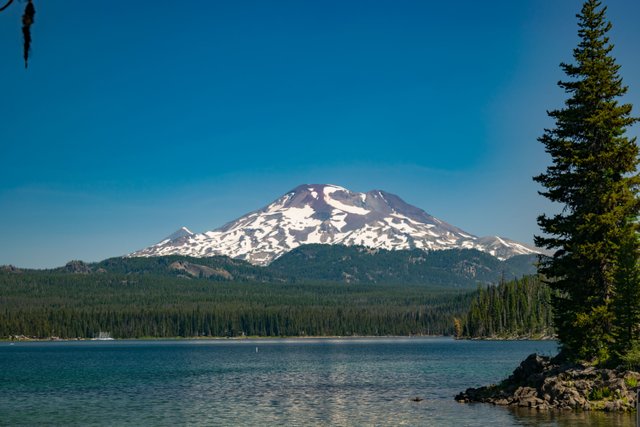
column 545, row 383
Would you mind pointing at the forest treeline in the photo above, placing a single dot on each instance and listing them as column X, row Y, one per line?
column 459, row 268
column 519, row 308
column 69, row 305
column 452, row 268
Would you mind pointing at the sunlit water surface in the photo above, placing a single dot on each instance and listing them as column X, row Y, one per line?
column 267, row 382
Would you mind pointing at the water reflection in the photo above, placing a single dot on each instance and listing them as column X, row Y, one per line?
column 531, row 417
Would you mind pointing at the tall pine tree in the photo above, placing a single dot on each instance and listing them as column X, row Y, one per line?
column 593, row 176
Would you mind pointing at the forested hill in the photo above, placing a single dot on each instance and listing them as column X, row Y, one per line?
column 461, row 268
column 455, row 268
column 314, row 290
column 520, row 308
column 219, row 268
column 69, row 305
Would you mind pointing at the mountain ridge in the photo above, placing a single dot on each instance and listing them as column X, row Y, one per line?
column 446, row 269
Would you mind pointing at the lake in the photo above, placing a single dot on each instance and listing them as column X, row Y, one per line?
column 267, row 382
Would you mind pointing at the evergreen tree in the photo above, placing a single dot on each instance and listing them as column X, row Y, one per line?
column 626, row 303
column 593, row 175
column 511, row 309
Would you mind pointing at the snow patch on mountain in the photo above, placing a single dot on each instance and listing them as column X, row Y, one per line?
column 328, row 191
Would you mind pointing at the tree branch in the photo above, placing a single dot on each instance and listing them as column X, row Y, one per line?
column 6, row 5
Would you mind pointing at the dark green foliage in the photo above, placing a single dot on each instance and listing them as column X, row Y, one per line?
column 593, row 177
column 631, row 360
column 626, row 301
column 45, row 303
column 348, row 264
column 520, row 308
column 356, row 264
column 598, row 393
column 314, row 290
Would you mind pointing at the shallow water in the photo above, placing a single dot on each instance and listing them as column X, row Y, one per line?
column 267, row 382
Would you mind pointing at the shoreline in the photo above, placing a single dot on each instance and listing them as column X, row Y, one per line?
column 514, row 338
column 259, row 337
column 212, row 338
column 544, row 383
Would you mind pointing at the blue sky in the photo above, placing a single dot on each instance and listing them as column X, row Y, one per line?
column 132, row 120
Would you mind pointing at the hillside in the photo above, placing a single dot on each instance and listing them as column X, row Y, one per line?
column 453, row 268
column 43, row 304
column 518, row 308
column 457, row 268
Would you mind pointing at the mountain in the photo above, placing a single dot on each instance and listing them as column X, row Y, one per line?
column 182, row 232
column 331, row 215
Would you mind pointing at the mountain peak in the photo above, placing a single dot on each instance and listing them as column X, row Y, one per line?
column 329, row 214
column 181, row 232
column 316, row 187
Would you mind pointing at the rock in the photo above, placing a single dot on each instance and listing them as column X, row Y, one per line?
column 533, row 364
column 606, row 374
column 541, row 383
column 617, row 384
column 197, row 270
column 463, row 397
column 9, row 269
column 581, row 385
column 525, row 393
column 525, row 403
column 77, row 267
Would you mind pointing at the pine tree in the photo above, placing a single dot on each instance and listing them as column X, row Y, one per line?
column 626, row 303
column 593, row 176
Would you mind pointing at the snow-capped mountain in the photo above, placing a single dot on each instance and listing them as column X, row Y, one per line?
column 329, row 214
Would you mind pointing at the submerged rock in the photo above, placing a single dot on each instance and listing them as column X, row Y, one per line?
column 541, row 383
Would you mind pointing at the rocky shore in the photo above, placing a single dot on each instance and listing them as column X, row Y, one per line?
column 542, row 383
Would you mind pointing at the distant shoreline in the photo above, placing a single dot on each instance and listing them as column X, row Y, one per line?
column 241, row 338
column 516, row 338
column 301, row 338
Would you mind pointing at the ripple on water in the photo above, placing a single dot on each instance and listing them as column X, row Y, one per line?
column 287, row 382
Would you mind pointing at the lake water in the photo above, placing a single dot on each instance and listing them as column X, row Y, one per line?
column 266, row 382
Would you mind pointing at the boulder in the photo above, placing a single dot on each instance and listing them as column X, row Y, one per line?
column 542, row 384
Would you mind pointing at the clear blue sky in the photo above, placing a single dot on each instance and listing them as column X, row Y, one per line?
column 136, row 118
